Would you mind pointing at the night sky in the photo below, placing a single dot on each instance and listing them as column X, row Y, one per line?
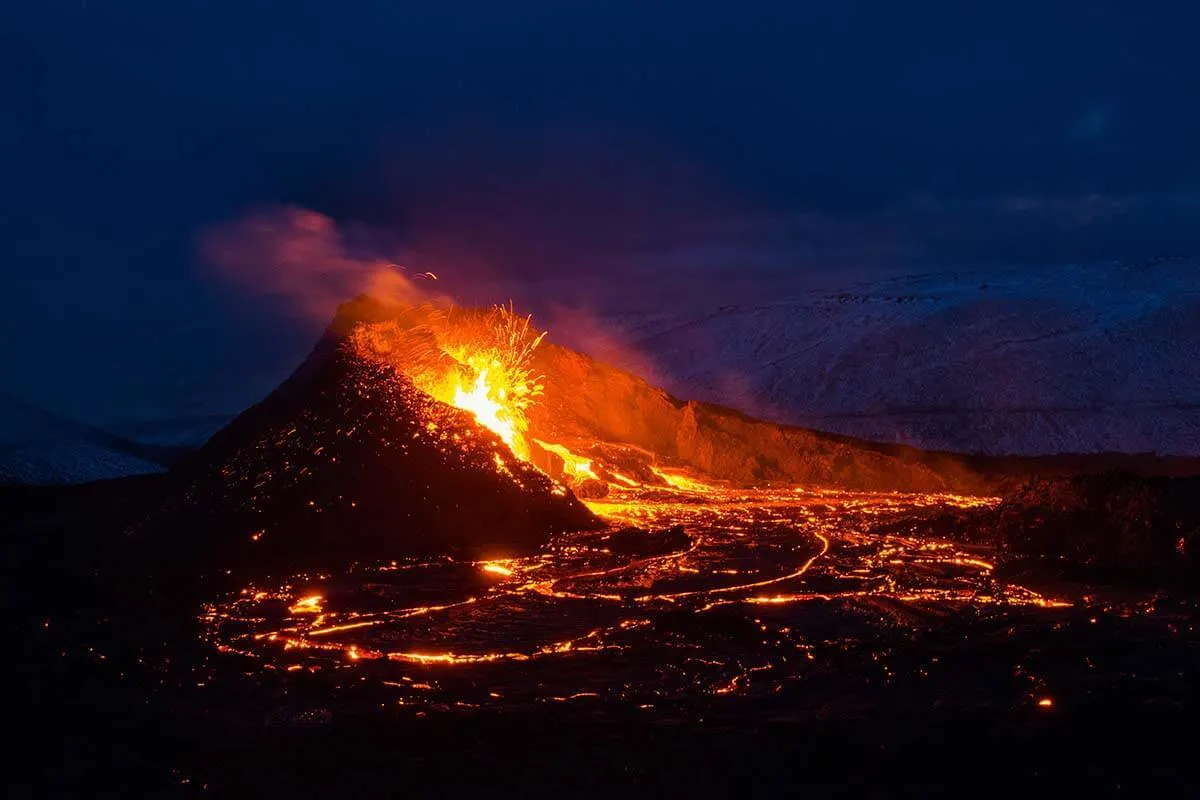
column 532, row 137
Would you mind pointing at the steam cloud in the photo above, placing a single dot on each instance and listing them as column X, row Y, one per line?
column 304, row 259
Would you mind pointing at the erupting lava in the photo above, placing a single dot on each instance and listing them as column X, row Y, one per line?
column 487, row 402
column 477, row 362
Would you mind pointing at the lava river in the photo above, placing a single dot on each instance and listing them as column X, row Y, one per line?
column 734, row 594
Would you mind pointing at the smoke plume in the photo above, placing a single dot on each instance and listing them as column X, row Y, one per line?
column 304, row 260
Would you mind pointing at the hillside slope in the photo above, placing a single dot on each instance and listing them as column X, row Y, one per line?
column 1076, row 359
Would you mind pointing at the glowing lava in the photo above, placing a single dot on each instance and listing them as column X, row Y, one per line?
column 768, row 587
column 573, row 465
column 476, row 361
column 487, row 401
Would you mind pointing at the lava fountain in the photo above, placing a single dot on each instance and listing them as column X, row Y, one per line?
column 479, row 362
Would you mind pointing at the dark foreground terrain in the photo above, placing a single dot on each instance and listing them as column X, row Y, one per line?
column 828, row 643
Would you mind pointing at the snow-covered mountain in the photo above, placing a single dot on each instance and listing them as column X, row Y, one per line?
column 1074, row 359
column 37, row 446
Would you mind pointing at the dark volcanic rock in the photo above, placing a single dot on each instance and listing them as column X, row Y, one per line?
column 1111, row 527
column 1120, row 524
column 348, row 461
column 639, row 542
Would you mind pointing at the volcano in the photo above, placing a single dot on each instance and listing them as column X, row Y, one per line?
column 347, row 460
column 418, row 430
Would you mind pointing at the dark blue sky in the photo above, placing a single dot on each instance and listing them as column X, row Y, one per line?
column 527, row 135
column 1040, row 130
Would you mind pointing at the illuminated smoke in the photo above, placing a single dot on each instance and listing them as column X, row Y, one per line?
column 302, row 258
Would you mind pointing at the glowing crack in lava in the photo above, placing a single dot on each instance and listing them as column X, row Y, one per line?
column 759, row 590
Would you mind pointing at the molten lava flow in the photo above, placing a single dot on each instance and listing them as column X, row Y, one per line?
column 486, row 401
column 769, row 588
column 573, row 465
